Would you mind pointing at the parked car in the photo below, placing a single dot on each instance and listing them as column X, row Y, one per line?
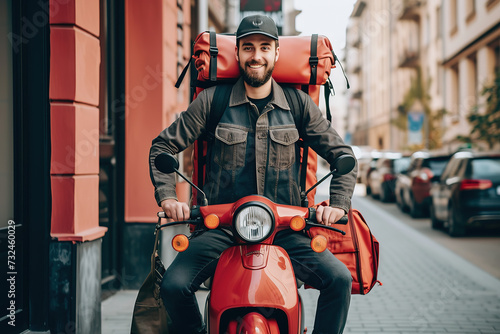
column 382, row 179
column 468, row 193
column 369, row 168
column 413, row 187
column 365, row 158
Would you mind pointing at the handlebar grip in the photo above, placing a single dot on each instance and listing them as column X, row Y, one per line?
column 343, row 220
column 312, row 217
column 195, row 213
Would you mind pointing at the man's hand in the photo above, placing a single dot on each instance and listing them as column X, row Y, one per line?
column 176, row 210
column 327, row 215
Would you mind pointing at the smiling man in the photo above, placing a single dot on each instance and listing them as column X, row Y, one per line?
column 245, row 158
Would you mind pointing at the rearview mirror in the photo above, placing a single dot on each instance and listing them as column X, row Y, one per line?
column 166, row 163
column 344, row 164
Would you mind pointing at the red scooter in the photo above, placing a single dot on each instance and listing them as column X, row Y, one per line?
column 254, row 289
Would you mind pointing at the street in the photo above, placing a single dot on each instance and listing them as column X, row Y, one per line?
column 432, row 283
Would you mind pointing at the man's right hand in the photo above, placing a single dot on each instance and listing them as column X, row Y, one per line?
column 176, row 210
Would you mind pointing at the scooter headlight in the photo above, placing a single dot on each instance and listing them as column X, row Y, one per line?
column 254, row 223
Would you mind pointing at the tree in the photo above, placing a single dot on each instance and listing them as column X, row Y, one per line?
column 485, row 126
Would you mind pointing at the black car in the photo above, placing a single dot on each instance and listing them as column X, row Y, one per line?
column 468, row 193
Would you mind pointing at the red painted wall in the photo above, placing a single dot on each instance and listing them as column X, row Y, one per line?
column 74, row 95
column 151, row 98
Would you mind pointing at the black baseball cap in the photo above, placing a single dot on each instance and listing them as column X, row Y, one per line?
column 257, row 24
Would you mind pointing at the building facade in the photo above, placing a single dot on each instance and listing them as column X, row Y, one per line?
column 88, row 85
column 419, row 64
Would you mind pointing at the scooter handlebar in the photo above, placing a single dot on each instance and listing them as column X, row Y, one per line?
column 313, row 219
column 195, row 213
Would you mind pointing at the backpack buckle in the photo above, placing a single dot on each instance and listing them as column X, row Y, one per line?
column 214, row 51
column 313, row 61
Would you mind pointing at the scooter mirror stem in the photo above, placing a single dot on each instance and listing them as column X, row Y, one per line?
column 343, row 165
column 167, row 163
column 317, row 183
column 204, row 201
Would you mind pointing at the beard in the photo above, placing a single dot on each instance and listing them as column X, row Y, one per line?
column 256, row 80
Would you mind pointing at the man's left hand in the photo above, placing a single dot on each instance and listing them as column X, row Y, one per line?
column 327, row 215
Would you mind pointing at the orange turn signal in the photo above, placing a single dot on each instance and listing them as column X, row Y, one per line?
column 211, row 221
column 180, row 242
column 297, row 223
column 319, row 243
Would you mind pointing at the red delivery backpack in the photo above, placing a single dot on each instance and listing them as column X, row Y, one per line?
column 305, row 63
column 311, row 59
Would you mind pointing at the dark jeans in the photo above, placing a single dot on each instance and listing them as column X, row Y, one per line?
column 191, row 268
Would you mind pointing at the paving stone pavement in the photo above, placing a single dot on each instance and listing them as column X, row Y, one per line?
column 426, row 289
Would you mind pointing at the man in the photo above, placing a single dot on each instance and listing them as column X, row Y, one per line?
column 244, row 159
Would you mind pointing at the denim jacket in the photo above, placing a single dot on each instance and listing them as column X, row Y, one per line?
column 252, row 153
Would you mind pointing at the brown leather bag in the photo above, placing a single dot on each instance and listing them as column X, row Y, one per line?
column 149, row 314
column 358, row 249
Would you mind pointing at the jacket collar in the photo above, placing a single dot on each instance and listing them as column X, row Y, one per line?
column 239, row 96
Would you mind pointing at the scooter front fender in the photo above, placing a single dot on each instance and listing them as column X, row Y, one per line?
column 259, row 277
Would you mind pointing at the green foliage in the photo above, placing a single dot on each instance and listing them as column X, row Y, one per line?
column 485, row 126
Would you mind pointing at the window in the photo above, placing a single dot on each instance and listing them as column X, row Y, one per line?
column 439, row 23
column 470, row 10
column 455, row 94
column 496, row 49
column 473, row 81
column 485, row 168
column 453, row 17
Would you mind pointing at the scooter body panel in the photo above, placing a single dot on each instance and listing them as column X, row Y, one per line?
column 258, row 275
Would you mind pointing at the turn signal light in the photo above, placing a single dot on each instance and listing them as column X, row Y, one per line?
column 319, row 243
column 211, row 221
column 180, row 242
column 297, row 223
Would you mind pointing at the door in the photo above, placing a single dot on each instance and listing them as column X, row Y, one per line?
column 111, row 142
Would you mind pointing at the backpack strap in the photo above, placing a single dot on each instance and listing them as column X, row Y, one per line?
column 214, row 51
column 297, row 106
column 220, row 101
column 313, row 59
column 328, row 91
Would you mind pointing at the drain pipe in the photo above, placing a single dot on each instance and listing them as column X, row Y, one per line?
column 232, row 15
column 202, row 15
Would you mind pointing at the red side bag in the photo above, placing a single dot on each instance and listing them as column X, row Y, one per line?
column 358, row 249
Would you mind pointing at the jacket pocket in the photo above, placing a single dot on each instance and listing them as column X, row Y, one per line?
column 282, row 147
column 230, row 147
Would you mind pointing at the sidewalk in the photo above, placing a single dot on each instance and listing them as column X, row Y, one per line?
column 426, row 289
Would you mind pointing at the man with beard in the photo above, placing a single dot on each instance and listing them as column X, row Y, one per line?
column 245, row 158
